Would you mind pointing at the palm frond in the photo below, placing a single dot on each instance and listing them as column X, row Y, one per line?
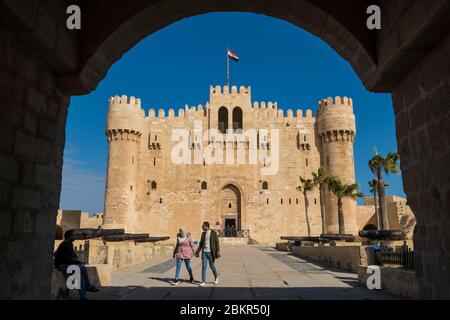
column 391, row 163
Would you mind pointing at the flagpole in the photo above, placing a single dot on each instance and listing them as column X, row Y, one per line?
column 228, row 70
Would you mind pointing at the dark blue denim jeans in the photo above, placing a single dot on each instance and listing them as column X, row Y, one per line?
column 208, row 257
column 84, row 281
column 187, row 262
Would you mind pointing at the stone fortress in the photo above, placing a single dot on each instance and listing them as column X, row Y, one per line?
column 146, row 191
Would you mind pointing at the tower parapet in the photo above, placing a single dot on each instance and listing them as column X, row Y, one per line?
column 225, row 90
column 337, row 130
column 125, row 115
column 335, row 119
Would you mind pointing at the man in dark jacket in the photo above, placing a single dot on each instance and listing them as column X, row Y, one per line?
column 65, row 256
column 209, row 244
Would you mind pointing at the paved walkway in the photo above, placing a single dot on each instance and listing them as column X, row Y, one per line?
column 247, row 273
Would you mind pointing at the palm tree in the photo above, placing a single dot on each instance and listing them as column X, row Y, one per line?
column 320, row 179
column 341, row 190
column 373, row 189
column 388, row 164
column 373, row 184
column 306, row 185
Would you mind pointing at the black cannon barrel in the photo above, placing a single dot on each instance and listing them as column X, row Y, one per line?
column 294, row 238
column 312, row 239
column 382, row 234
column 341, row 237
column 90, row 233
column 126, row 236
column 151, row 239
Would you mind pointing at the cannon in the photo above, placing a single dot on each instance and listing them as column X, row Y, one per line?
column 151, row 239
column 91, row 233
column 382, row 234
column 312, row 239
column 338, row 237
column 126, row 236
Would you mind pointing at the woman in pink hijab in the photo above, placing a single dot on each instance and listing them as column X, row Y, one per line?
column 184, row 249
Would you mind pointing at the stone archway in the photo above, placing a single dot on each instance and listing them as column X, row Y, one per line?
column 229, row 205
column 43, row 64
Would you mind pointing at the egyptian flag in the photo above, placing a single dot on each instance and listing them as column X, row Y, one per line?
column 232, row 55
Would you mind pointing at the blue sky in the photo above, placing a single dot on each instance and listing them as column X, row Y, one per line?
column 176, row 65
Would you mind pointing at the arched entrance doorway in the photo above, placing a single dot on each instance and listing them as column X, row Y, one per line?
column 229, row 205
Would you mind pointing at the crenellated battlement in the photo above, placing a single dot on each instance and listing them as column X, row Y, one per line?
column 124, row 100
column 187, row 111
column 337, row 101
column 118, row 103
column 270, row 110
column 225, row 90
column 329, row 107
column 265, row 105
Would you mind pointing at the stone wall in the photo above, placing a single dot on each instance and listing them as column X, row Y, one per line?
column 75, row 219
column 126, row 254
column 33, row 115
column 344, row 257
column 400, row 215
column 397, row 281
column 123, row 254
column 422, row 113
column 366, row 215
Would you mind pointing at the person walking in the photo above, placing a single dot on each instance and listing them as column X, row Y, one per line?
column 184, row 249
column 209, row 245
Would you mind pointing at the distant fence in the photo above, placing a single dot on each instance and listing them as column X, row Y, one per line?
column 400, row 256
column 82, row 251
column 245, row 233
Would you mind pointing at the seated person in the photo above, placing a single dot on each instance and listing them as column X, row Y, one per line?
column 65, row 256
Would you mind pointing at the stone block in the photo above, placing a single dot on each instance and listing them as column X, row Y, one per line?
column 31, row 148
column 25, row 199
column 6, row 83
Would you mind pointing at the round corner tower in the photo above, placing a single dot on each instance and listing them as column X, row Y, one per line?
column 337, row 130
column 123, row 130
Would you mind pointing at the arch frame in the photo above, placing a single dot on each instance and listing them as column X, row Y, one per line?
column 144, row 19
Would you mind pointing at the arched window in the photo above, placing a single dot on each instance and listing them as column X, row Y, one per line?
column 265, row 185
column 153, row 185
column 306, row 161
column 281, row 201
column 237, row 118
column 223, row 120
column 160, row 200
column 229, row 205
column 204, row 185
column 289, row 200
column 296, row 201
column 267, row 200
